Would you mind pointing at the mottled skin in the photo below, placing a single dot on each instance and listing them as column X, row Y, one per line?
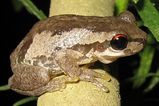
column 58, row 45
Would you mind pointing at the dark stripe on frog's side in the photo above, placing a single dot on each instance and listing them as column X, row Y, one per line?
column 22, row 51
column 26, row 42
column 96, row 46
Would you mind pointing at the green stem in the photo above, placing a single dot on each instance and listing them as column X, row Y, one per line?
column 29, row 5
column 145, row 65
column 153, row 75
column 25, row 100
column 121, row 5
column 4, row 88
column 154, row 81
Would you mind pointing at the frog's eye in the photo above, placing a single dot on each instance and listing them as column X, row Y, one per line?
column 119, row 42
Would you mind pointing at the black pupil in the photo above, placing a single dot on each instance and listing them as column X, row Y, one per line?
column 119, row 42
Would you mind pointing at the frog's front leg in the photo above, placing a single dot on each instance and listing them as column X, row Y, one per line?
column 67, row 61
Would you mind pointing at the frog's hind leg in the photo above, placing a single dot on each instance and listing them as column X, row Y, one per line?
column 35, row 80
column 55, row 84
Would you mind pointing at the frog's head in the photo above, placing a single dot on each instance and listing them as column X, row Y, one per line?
column 123, row 39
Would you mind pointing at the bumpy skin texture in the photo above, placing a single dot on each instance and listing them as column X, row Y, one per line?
column 58, row 45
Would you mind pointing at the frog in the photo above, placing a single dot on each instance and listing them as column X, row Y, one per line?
column 58, row 51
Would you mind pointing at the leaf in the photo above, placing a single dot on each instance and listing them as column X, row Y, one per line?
column 154, row 81
column 4, row 88
column 144, row 68
column 25, row 100
column 135, row 1
column 33, row 9
column 121, row 5
column 150, row 17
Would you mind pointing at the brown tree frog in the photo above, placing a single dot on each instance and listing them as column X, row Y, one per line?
column 62, row 45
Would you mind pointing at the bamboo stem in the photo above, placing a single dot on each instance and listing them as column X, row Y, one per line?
column 83, row 93
column 82, row 7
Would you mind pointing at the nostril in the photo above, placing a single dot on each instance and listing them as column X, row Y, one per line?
column 139, row 40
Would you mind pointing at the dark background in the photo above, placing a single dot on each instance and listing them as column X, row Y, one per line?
column 15, row 25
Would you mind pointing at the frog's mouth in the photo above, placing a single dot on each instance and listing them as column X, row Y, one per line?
column 107, row 59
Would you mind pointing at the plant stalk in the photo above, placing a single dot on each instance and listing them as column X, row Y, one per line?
column 83, row 93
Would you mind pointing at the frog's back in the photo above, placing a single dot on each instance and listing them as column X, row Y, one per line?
column 61, row 23
column 49, row 34
column 66, row 31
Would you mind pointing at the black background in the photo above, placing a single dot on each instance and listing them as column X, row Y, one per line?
column 14, row 26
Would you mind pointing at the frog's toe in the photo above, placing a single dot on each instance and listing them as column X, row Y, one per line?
column 93, row 74
column 104, row 76
column 101, row 86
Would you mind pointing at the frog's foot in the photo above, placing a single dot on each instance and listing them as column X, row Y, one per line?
column 59, row 83
column 90, row 75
